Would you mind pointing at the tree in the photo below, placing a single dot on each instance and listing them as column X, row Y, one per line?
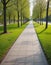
column 23, row 7
column 47, row 14
column 4, row 2
column 17, row 9
column 11, row 13
column 38, row 9
column 1, row 13
column 26, row 11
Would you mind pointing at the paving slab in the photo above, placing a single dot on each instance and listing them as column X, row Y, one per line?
column 26, row 50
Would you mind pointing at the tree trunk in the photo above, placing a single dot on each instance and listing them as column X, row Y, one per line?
column 14, row 19
column 21, row 17
column 42, row 22
column 18, row 18
column 40, row 17
column 18, row 12
column 4, row 11
column 9, row 19
column 47, row 14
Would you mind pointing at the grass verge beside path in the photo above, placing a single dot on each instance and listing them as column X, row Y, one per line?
column 7, row 40
column 45, row 39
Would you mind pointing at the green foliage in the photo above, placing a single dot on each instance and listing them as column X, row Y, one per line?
column 44, row 13
column 45, row 39
column 1, row 13
column 38, row 9
column 25, row 8
column 11, row 9
column 11, row 12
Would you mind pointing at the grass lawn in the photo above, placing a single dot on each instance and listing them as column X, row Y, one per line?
column 7, row 40
column 45, row 39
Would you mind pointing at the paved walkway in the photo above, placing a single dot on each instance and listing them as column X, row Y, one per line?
column 26, row 50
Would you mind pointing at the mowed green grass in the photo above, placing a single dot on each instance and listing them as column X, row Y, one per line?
column 7, row 40
column 45, row 39
column 9, row 27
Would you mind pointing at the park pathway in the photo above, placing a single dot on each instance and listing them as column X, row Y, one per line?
column 26, row 50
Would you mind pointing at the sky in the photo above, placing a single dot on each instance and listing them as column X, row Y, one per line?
column 31, row 7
